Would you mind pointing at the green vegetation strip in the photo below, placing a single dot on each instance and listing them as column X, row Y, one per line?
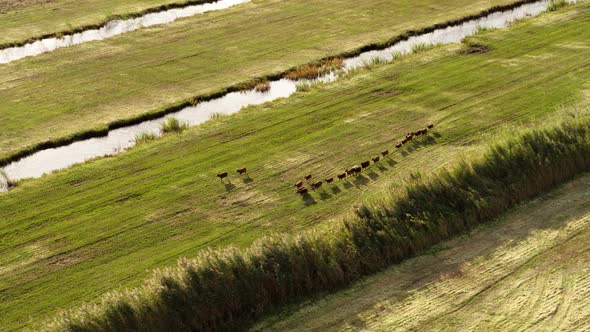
column 221, row 290
column 105, row 224
column 67, row 95
column 41, row 19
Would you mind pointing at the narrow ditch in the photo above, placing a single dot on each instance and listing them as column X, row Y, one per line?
column 119, row 140
column 110, row 29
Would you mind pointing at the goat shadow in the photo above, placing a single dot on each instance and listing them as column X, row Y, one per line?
column 361, row 180
column 373, row 176
column 348, row 184
column 229, row 186
column 308, row 200
column 336, row 190
column 324, row 195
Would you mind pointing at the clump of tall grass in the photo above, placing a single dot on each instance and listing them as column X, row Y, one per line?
column 224, row 289
column 263, row 86
column 305, row 86
column 482, row 29
column 556, row 4
column 314, row 71
column 144, row 137
column 374, row 61
column 421, row 47
column 396, row 55
column 174, row 125
column 217, row 116
column 5, row 182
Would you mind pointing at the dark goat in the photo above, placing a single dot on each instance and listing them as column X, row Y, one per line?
column 342, row 176
column 385, row 153
column 399, row 145
column 317, row 185
column 430, row 126
column 242, row 171
column 308, row 177
column 365, row 164
column 376, row 159
column 329, row 180
column 302, row 191
column 299, row 184
column 222, row 175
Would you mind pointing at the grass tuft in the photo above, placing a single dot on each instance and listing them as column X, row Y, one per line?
column 174, row 125
column 313, row 71
column 482, row 29
column 217, row 116
column 262, row 86
column 556, row 5
column 145, row 137
column 5, row 182
column 421, row 47
column 374, row 61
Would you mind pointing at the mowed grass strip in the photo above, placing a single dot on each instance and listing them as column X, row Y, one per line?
column 25, row 19
column 106, row 224
column 534, row 259
column 89, row 86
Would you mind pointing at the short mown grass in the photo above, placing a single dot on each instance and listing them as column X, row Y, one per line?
column 40, row 104
column 225, row 289
column 104, row 225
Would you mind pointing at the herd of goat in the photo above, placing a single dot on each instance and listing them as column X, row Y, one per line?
column 353, row 171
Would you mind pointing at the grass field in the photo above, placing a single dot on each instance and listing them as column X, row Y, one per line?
column 24, row 19
column 86, row 87
column 529, row 270
column 69, row 237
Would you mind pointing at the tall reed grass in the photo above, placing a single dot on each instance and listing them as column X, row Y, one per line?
column 312, row 71
column 224, row 289
column 556, row 4
column 417, row 48
column 144, row 137
column 374, row 61
column 174, row 125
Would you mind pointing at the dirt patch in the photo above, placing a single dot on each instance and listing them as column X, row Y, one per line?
column 474, row 49
column 9, row 5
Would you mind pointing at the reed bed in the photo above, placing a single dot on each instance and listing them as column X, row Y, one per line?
column 225, row 289
column 313, row 71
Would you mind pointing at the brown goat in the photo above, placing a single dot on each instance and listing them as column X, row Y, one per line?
column 317, row 185
column 365, row 164
column 385, row 153
column 342, row 176
column 354, row 170
column 299, row 184
column 302, row 191
column 399, row 145
column 376, row 159
column 242, row 171
column 308, row 177
column 329, row 180
column 222, row 175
